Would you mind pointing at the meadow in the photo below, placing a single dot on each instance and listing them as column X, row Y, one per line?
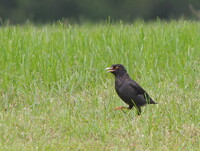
column 56, row 95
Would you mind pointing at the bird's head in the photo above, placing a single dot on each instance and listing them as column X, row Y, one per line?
column 116, row 69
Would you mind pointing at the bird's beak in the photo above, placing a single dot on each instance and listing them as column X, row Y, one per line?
column 109, row 69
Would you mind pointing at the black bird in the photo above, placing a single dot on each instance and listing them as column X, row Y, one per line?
column 129, row 90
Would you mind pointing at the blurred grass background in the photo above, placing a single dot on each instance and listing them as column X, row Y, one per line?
column 81, row 11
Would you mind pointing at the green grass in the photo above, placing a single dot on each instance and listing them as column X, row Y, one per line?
column 55, row 94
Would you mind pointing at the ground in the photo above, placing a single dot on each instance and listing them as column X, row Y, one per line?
column 55, row 94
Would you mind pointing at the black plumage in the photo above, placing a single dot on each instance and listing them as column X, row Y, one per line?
column 129, row 90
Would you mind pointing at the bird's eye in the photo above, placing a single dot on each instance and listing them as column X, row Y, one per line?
column 116, row 67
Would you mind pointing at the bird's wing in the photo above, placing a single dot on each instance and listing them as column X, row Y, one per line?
column 143, row 96
column 137, row 87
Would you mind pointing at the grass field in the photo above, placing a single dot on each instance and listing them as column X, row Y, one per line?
column 56, row 95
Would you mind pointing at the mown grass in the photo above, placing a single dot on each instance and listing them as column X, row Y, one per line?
column 55, row 94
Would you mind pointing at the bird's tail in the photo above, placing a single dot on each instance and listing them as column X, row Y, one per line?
column 149, row 99
column 152, row 101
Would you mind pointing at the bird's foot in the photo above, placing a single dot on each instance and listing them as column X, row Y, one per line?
column 139, row 116
column 119, row 108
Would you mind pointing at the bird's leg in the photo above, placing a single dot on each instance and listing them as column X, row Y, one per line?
column 121, row 107
column 138, row 110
